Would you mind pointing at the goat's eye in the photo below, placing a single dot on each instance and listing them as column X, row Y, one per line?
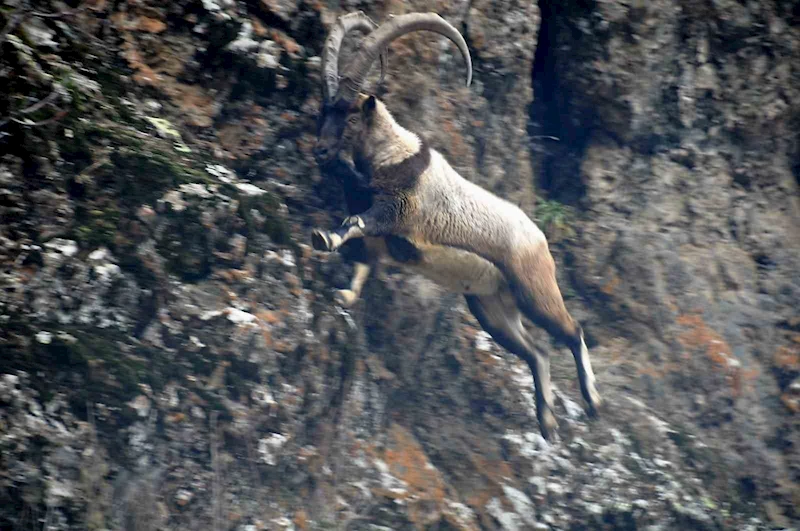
column 352, row 119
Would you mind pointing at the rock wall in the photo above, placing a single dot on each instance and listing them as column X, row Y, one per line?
column 171, row 353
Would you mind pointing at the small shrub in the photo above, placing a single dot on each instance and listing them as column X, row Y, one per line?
column 555, row 219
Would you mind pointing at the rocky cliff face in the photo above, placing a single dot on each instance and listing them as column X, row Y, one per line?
column 171, row 353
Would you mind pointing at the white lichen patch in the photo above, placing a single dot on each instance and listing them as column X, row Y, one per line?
column 61, row 246
column 140, row 404
column 523, row 505
column 269, row 446
column 174, row 199
column 210, row 314
column 529, row 444
column 269, row 53
column 462, row 514
column 183, row 497
column 574, row 411
column 196, row 342
column 539, row 485
column 244, row 41
column 522, row 377
column 221, row 172
column 483, row 341
column 196, row 189
column 107, row 272
column 99, row 255
column 283, row 523
column 287, row 256
column 250, row 189
column 44, row 337
column 262, row 396
column 507, row 520
column 388, row 481
column 239, row 317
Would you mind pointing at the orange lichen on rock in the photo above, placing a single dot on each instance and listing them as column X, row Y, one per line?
column 175, row 418
column 233, row 276
column 161, row 72
column 301, row 520
column 240, row 140
column 787, row 358
column 493, row 474
column 258, row 28
column 609, row 286
column 286, row 42
column 698, row 336
column 424, row 487
column 143, row 74
column 146, row 24
column 197, row 106
column 150, row 25
column 457, row 147
column 791, row 400
column 486, row 358
column 268, row 316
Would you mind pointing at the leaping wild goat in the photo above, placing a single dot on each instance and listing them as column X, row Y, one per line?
column 426, row 217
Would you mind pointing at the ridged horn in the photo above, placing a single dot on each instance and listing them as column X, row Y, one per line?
column 330, row 52
column 370, row 47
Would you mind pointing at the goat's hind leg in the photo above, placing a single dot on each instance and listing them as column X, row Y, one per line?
column 535, row 288
column 586, row 376
column 501, row 319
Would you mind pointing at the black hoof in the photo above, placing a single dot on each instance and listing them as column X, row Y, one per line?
column 320, row 240
column 593, row 407
column 548, row 425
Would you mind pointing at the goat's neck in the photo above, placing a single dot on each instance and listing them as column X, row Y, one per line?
column 393, row 144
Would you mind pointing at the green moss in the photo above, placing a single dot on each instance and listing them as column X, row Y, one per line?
column 87, row 361
column 140, row 167
column 88, row 349
column 77, row 97
column 142, row 176
column 97, row 227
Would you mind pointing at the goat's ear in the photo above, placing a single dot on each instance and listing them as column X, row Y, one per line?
column 369, row 106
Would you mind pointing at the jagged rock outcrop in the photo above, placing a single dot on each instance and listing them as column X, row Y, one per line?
column 171, row 353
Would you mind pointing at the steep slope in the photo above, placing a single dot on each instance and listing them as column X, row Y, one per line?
column 171, row 353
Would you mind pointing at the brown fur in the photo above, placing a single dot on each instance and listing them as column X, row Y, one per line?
column 540, row 296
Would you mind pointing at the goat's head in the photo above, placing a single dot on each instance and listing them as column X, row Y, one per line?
column 341, row 115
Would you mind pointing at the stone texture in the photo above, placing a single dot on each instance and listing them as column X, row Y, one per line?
column 172, row 356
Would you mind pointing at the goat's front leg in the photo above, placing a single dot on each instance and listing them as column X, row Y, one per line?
column 381, row 219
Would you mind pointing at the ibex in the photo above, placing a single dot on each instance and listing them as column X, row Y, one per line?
column 434, row 221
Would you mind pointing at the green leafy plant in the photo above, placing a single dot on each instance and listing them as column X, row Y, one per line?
column 555, row 219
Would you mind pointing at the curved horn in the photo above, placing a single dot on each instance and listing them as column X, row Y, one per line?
column 330, row 52
column 358, row 68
